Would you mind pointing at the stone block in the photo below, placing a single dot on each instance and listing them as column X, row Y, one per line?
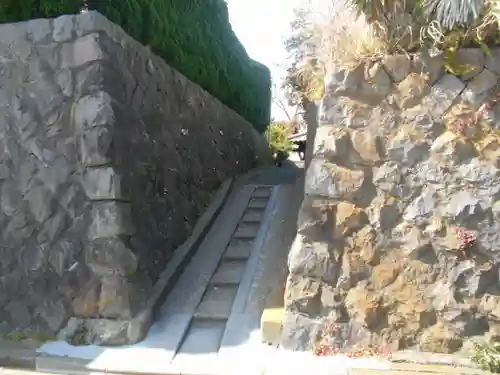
column 93, row 110
column 52, row 228
column 19, row 313
column 56, row 174
column 110, row 256
column 492, row 62
column 442, row 95
column 332, row 181
column 105, row 331
column 367, row 144
column 316, row 218
column 429, row 63
column 63, row 28
column 406, row 148
column 313, row 259
column 472, row 59
column 11, row 33
column 449, row 146
column 95, row 146
column 411, row 90
column 300, row 332
column 115, row 298
column 367, row 83
column 398, row 66
column 440, row 339
column 111, row 219
column 86, row 303
column 332, row 143
column 40, row 202
column 82, row 51
column 103, row 184
column 54, row 313
column 480, row 87
column 39, row 31
column 64, row 79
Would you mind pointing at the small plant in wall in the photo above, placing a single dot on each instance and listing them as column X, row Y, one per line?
column 487, row 356
column 467, row 121
column 463, row 120
column 451, row 44
column 466, row 239
column 277, row 137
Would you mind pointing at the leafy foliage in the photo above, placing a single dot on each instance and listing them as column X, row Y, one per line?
column 452, row 14
column 193, row 36
column 277, row 136
column 305, row 74
column 432, row 22
column 487, row 356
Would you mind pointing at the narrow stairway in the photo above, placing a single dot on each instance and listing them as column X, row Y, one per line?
column 214, row 286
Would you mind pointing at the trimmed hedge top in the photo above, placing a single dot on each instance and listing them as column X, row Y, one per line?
column 192, row 36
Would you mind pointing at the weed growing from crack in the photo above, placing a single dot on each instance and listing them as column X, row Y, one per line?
column 470, row 122
column 465, row 240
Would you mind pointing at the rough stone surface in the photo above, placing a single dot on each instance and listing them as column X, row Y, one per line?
column 402, row 173
column 107, row 158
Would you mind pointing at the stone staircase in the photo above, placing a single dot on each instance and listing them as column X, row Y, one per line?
column 225, row 292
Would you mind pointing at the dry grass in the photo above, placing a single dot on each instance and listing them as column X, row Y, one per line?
column 346, row 35
column 346, row 38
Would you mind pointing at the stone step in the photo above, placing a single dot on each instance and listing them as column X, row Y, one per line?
column 229, row 272
column 246, row 230
column 203, row 336
column 253, row 215
column 238, row 249
column 262, row 192
column 257, row 203
column 217, row 302
column 271, row 322
column 271, row 325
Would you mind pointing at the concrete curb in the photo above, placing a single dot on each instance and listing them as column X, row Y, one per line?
column 283, row 362
column 423, row 358
column 18, row 354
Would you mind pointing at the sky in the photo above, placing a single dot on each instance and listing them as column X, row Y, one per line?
column 261, row 26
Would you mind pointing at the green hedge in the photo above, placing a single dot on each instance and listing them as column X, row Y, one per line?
column 193, row 36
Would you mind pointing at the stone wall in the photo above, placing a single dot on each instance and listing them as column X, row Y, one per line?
column 398, row 242
column 107, row 158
